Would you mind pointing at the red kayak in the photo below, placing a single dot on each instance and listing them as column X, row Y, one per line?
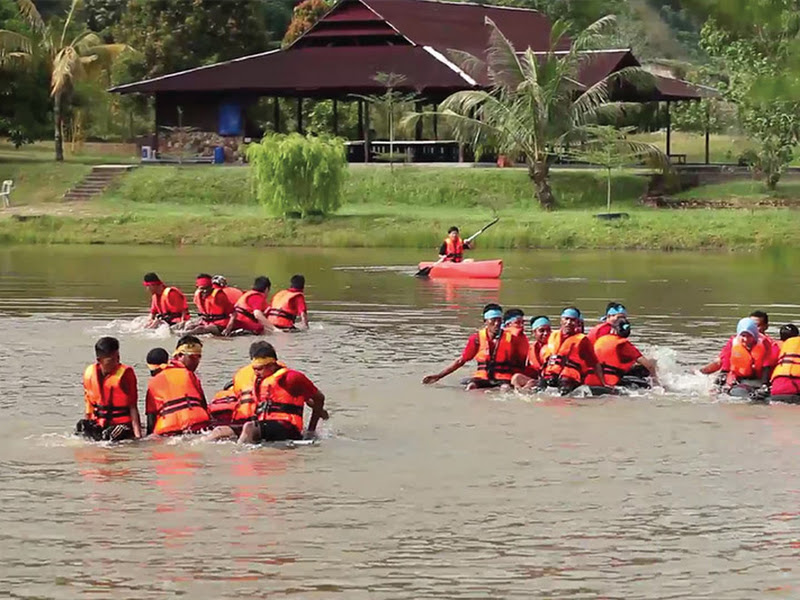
column 476, row 269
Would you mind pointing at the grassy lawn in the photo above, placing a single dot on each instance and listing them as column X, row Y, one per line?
column 721, row 148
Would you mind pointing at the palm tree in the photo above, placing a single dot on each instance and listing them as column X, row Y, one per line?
column 69, row 59
column 535, row 103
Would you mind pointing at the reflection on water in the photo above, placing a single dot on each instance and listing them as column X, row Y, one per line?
column 414, row 492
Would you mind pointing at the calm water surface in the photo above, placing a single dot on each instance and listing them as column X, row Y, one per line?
column 414, row 492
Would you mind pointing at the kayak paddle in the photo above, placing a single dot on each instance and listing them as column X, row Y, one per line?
column 425, row 271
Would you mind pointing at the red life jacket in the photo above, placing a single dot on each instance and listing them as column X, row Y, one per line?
column 209, row 308
column 535, row 361
column 244, row 317
column 178, row 400
column 281, row 312
column 563, row 359
column 232, row 293
column 454, row 249
column 107, row 404
column 749, row 363
column 275, row 403
column 613, row 368
column 598, row 331
column 500, row 360
column 162, row 308
column 222, row 406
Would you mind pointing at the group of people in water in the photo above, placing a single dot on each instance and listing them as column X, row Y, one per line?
column 751, row 364
column 224, row 310
column 265, row 399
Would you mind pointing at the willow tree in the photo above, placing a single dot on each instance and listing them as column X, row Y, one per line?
column 534, row 104
column 69, row 56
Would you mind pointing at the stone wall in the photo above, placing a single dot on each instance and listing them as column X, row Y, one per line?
column 200, row 143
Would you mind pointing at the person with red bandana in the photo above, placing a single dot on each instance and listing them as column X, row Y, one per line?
column 167, row 305
column 214, row 308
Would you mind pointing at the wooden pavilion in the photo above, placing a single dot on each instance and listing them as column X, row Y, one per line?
column 339, row 57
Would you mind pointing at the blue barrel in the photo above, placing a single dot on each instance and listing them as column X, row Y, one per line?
column 219, row 155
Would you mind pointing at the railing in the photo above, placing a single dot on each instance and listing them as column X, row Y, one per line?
column 406, row 151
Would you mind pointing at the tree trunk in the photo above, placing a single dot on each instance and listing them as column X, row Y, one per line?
column 539, row 172
column 57, row 123
column 608, row 192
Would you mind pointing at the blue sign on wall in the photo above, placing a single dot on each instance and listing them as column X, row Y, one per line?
column 230, row 118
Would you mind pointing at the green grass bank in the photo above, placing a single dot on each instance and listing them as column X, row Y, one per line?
column 410, row 207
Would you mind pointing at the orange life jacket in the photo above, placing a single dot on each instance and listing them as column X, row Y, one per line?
column 749, row 364
column 563, row 359
column 788, row 360
column 222, row 406
column 496, row 362
column 208, row 308
column 454, row 250
column 178, row 399
column 598, row 331
column 280, row 312
column 535, row 362
column 232, row 293
column 243, row 313
column 107, row 404
column 277, row 404
column 613, row 368
column 161, row 308
column 244, row 382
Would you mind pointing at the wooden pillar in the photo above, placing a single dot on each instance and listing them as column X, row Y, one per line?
column 367, row 136
column 276, row 114
column 300, row 115
column 158, row 126
column 335, row 117
column 669, row 131
column 435, row 122
column 360, row 119
column 708, row 119
column 418, row 107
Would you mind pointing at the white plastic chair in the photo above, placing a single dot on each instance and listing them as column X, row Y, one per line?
column 5, row 192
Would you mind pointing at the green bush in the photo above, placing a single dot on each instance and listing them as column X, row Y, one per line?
column 294, row 174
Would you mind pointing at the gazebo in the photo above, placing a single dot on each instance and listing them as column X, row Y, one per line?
column 339, row 57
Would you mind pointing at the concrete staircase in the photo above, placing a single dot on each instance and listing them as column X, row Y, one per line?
column 98, row 181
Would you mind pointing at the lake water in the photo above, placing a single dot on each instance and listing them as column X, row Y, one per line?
column 413, row 492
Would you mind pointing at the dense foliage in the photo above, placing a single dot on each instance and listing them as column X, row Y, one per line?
column 294, row 174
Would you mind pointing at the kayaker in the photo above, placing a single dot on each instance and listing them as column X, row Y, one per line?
column 622, row 362
column 157, row 360
column 785, row 379
column 214, row 308
column 540, row 333
column 249, row 312
column 175, row 401
column 221, row 283
column 614, row 311
column 569, row 356
column 744, row 362
column 111, row 396
column 281, row 395
column 499, row 356
column 167, row 303
column 452, row 248
column 289, row 306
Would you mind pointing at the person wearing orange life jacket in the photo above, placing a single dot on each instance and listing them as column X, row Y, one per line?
column 281, row 394
column 785, row 378
column 762, row 320
column 111, row 396
column 569, row 356
column 249, row 312
column 540, row 334
column 176, row 403
column 744, row 362
column 222, row 406
column 221, row 283
column 167, row 303
column 452, row 248
column 244, row 381
column 214, row 308
column 499, row 354
column 157, row 360
column 289, row 305
column 614, row 312
column 622, row 362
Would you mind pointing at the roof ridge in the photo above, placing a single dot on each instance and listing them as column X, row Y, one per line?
column 471, row 4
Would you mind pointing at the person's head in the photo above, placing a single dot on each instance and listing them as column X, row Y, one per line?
column 493, row 318
column 263, row 358
column 541, row 328
column 747, row 331
column 570, row 320
column 219, row 281
column 621, row 327
column 789, row 331
column 106, row 351
column 761, row 318
column 452, row 233
column 156, row 358
column 204, row 284
column 297, row 282
column 615, row 313
column 262, row 284
column 153, row 283
column 189, row 351
column 514, row 318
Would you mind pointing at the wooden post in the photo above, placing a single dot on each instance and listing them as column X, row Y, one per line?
column 360, row 119
column 435, row 122
column 300, row 115
column 419, row 124
column 335, row 117
column 708, row 118
column 669, row 131
column 367, row 136
column 276, row 114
